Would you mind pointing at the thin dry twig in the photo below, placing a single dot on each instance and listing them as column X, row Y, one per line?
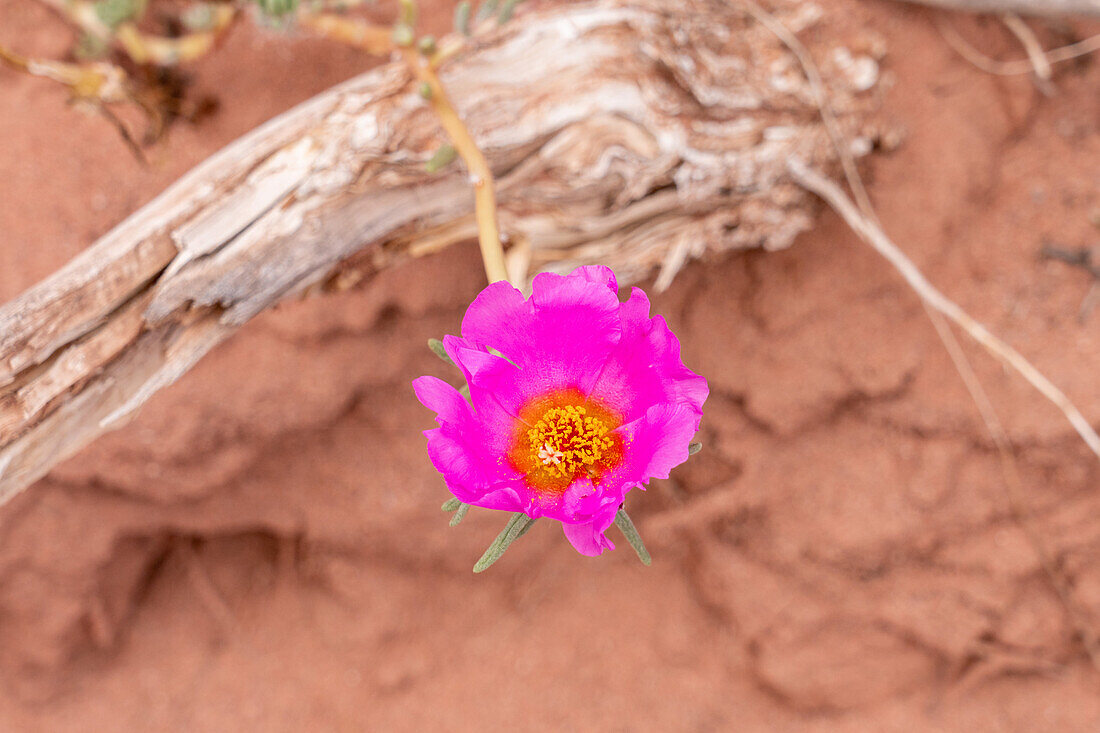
column 97, row 84
column 870, row 230
column 1014, row 489
column 92, row 85
column 1024, row 7
column 1035, row 52
column 1039, row 62
column 374, row 39
column 814, row 181
column 873, row 235
column 141, row 47
column 1012, row 486
column 1016, row 67
column 821, row 99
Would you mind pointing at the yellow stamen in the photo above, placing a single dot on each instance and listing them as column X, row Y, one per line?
column 568, row 440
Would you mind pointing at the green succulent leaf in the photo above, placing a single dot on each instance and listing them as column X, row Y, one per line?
column 506, row 11
column 517, row 527
column 460, row 514
column 622, row 521
column 277, row 8
column 462, row 17
column 116, row 12
column 426, row 45
column 442, row 158
column 403, row 35
column 198, row 17
column 486, row 9
column 408, row 12
column 439, row 350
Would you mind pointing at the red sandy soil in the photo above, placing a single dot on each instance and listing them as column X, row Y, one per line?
column 262, row 549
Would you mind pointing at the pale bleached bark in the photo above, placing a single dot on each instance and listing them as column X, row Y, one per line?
column 636, row 133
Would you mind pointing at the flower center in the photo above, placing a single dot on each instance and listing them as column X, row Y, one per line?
column 568, row 440
column 563, row 436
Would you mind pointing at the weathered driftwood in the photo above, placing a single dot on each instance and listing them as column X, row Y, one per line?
column 1023, row 7
column 638, row 133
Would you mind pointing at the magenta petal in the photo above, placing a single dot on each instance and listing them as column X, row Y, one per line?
column 560, row 337
column 507, row 496
column 578, row 504
column 571, row 333
column 492, row 379
column 645, row 368
column 498, row 318
column 565, row 303
column 599, row 274
column 590, row 538
column 496, row 389
column 459, row 448
column 656, row 443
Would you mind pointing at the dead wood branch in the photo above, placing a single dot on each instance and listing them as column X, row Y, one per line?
column 634, row 133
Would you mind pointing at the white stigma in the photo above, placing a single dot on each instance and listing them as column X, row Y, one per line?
column 549, row 455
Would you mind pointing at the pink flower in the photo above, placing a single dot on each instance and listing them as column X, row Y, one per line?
column 577, row 398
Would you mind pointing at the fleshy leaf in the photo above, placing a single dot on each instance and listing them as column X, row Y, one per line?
column 451, row 504
column 438, row 349
column 460, row 514
column 462, row 17
column 441, row 159
column 426, row 45
column 506, row 11
column 622, row 521
column 694, row 448
column 517, row 527
column 403, row 35
column 486, row 9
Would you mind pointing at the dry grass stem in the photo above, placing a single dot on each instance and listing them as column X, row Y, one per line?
column 817, row 87
column 1050, row 8
column 145, row 48
column 1035, row 53
column 1039, row 62
column 1012, row 68
column 1012, row 485
column 873, row 235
